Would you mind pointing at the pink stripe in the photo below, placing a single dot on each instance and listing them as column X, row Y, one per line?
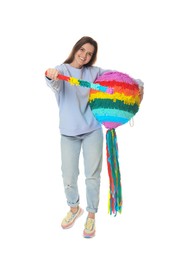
column 111, row 125
column 115, row 75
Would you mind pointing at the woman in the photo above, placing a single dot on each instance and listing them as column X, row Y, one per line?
column 79, row 130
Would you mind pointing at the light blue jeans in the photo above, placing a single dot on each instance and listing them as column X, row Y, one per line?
column 92, row 146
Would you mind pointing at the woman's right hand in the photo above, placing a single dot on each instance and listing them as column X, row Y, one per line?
column 52, row 74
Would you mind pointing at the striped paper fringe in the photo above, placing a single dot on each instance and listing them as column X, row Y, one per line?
column 115, row 192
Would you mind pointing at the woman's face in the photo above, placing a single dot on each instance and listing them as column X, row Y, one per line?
column 83, row 55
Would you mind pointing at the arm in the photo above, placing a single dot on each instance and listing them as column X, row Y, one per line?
column 51, row 76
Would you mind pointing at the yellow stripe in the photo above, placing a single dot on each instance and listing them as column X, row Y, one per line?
column 74, row 81
column 130, row 100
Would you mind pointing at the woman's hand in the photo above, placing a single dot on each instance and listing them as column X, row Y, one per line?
column 141, row 92
column 52, row 74
column 141, row 88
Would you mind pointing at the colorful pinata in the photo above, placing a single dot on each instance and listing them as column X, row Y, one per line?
column 113, row 110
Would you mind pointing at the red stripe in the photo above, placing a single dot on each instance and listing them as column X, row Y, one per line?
column 62, row 77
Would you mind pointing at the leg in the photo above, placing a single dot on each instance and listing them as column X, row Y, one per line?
column 70, row 150
column 92, row 151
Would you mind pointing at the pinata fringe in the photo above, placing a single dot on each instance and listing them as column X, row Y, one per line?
column 115, row 191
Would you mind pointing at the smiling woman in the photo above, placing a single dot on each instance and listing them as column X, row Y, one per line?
column 79, row 129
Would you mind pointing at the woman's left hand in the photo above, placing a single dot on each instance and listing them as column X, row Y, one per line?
column 141, row 92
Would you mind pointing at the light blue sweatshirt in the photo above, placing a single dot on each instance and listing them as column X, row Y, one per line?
column 75, row 115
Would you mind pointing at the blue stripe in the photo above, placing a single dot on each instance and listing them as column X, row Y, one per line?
column 114, row 113
column 102, row 119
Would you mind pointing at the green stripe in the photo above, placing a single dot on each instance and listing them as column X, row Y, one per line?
column 107, row 103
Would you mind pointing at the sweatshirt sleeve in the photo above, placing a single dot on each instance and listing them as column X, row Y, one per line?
column 55, row 85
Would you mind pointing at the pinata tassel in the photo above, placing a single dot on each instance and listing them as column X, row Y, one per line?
column 115, row 192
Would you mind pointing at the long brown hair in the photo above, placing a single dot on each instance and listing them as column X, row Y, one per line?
column 78, row 45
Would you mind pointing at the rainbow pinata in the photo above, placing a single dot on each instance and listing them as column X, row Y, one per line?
column 113, row 110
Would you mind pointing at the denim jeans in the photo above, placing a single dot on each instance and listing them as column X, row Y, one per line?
column 92, row 146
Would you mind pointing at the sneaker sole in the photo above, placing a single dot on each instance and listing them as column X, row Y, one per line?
column 81, row 211
column 85, row 235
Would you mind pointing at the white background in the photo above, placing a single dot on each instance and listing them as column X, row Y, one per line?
column 134, row 37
